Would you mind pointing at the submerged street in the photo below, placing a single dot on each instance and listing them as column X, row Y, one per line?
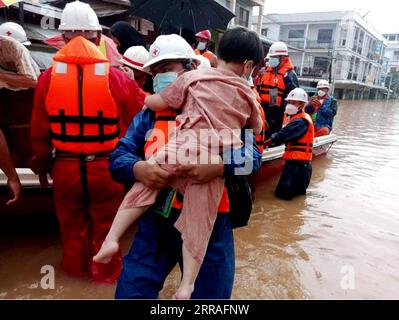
column 347, row 226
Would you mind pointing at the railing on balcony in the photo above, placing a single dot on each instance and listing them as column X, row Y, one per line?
column 314, row 72
column 300, row 44
column 316, row 44
column 310, row 44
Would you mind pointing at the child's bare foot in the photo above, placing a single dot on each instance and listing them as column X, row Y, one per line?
column 108, row 249
column 183, row 292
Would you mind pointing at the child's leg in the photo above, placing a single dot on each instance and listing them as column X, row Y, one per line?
column 195, row 223
column 190, row 271
column 123, row 220
column 135, row 203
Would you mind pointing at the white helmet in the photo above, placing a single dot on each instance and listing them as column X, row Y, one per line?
column 79, row 16
column 278, row 49
column 136, row 57
column 169, row 47
column 14, row 30
column 298, row 94
column 323, row 84
column 204, row 63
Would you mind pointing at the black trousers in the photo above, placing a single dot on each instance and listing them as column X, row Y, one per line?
column 274, row 117
column 294, row 179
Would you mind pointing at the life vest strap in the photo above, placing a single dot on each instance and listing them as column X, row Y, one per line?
column 99, row 120
column 82, row 119
column 81, row 138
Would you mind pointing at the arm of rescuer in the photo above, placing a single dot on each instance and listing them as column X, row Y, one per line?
column 129, row 153
column 292, row 131
column 291, row 82
column 125, row 92
column 7, row 166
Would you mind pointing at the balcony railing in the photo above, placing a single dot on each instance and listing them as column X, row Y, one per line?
column 314, row 72
column 316, row 44
column 300, row 44
column 310, row 44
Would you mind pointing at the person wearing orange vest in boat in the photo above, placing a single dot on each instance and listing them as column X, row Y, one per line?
column 298, row 135
column 279, row 79
column 157, row 245
column 261, row 137
column 322, row 108
column 204, row 38
column 82, row 106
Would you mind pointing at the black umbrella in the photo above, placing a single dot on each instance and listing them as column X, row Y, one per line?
column 196, row 15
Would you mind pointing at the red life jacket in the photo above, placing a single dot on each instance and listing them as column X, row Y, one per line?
column 301, row 149
column 165, row 121
column 275, row 79
column 82, row 112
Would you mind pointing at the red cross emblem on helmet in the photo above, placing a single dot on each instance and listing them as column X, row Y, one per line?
column 155, row 52
column 9, row 33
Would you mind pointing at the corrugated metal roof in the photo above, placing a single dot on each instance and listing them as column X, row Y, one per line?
column 41, row 9
column 106, row 9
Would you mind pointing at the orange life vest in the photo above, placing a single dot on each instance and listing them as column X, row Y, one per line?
column 274, row 79
column 301, row 149
column 165, row 121
column 260, row 138
column 82, row 112
column 207, row 54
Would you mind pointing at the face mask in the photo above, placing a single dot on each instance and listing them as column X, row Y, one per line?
column 274, row 62
column 201, row 46
column 291, row 109
column 162, row 80
column 321, row 93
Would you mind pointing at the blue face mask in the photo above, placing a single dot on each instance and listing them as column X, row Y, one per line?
column 274, row 62
column 162, row 80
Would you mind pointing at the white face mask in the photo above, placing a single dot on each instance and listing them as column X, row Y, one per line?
column 201, row 46
column 291, row 109
column 274, row 62
column 321, row 93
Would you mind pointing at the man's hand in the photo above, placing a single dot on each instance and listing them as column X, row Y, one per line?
column 15, row 188
column 201, row 173
column 152, row 175
column 129, row 72
column 43, row 180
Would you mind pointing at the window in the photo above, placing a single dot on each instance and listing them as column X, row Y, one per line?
column 264, row 32
column 321, row 65
column 391, row 38
column 324, row 35
column 396, row 55
column 296, row 34
column 243, row 17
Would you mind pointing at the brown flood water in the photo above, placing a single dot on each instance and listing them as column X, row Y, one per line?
column 340, row 241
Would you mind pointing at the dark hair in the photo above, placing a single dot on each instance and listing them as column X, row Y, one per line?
column 240, row 44
column 126, row 35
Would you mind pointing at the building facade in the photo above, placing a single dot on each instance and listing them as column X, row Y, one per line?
column 243, row 11
column 392, row 51
column 337, row 46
